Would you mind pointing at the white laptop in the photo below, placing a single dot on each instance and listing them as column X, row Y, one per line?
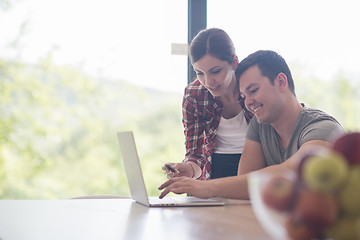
column 136, row 180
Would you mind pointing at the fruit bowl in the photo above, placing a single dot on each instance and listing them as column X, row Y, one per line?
column 271, row 220
column 317, row 199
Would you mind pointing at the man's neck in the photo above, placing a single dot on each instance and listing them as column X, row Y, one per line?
column 285, row 124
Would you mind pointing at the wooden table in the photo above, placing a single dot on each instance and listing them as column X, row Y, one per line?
column 108, row 219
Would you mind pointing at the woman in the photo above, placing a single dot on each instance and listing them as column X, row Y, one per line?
column 214, row 116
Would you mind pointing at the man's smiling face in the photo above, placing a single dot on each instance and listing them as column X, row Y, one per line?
column 261, row 96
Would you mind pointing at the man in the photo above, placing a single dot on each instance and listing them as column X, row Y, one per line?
column 279, row 133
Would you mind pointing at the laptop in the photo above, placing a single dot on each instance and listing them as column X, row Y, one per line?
column 136, row 180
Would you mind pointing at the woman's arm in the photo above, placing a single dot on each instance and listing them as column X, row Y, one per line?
column 194, row 136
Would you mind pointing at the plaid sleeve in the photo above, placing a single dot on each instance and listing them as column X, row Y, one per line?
column 194, row 132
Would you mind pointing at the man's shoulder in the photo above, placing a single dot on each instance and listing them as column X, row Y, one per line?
column 317, row 124
column 311, row 115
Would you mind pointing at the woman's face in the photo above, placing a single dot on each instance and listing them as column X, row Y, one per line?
column 215, row 75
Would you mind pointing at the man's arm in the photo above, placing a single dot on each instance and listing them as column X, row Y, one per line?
column 237, row 187
column 231, row 187
column 252, row 158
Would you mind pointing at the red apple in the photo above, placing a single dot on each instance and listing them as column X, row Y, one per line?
column 278, row 193
column 316, row 209
column 298, row 230
column 349, row 146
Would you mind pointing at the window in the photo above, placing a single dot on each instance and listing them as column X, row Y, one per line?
column 72, row 73
column 318, row 39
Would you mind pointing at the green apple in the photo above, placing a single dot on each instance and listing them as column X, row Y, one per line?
column 349, row 195
column 325, row 173
column 345, row 228
column 309, row 152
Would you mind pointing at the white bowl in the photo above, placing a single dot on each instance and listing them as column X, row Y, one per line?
column 271, row 220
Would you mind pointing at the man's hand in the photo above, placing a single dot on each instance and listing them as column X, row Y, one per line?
column 180, row 185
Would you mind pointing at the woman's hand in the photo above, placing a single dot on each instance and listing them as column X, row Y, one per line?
column 178, row 170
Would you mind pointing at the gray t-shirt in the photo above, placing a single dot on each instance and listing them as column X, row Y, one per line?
column 312, row 124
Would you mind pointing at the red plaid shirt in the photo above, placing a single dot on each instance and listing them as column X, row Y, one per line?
column 201, row 117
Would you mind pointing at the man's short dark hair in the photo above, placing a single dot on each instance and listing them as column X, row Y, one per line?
column 270, row 64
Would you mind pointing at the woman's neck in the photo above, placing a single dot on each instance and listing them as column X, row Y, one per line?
column 231, row 106
column 232, row 93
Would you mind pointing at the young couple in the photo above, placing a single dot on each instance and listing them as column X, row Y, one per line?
column 223, row 141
